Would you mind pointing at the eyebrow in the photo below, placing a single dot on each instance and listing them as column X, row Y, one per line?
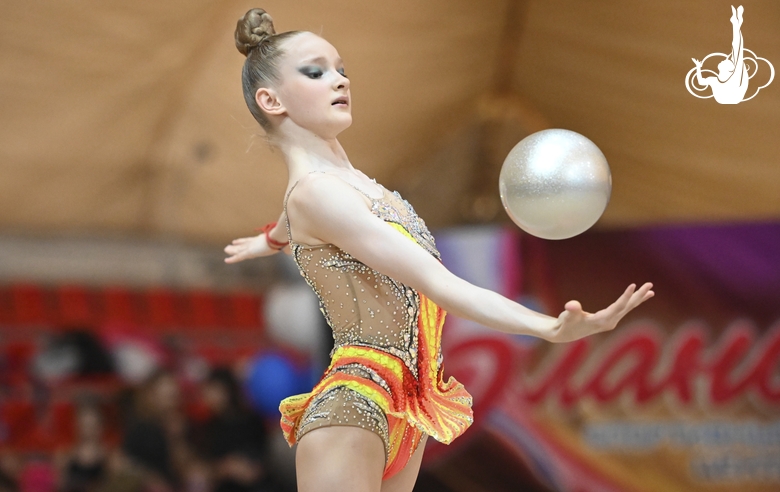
column 322, row 59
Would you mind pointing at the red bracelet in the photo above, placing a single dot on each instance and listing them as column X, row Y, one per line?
column 272, row 243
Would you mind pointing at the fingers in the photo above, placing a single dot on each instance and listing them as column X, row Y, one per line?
column 644, row 293
column 630, row 299
column 624, row 299
column 608, row 318
column 236, row 251
column 236, row 257
column 237, row 244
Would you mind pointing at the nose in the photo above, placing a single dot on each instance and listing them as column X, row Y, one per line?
column 342, row 83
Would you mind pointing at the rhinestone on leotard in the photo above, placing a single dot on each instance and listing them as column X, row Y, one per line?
column 375, row 315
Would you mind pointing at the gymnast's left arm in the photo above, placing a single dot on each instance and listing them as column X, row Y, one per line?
column 337, row 214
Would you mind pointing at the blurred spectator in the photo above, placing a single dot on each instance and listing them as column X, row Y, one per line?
column 9, row 470
column 155, row 443
column 84, row 467
column 233, row 440
column 120, row 477
column 74, row 352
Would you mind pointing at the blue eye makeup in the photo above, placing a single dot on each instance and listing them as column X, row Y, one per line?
column 311, row 72
column 315, row 72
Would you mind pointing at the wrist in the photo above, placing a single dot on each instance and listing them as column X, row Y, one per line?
column 540, row 325
column 553, row 327
column 272, row 243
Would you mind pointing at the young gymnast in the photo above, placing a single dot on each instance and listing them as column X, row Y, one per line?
column 375, row 268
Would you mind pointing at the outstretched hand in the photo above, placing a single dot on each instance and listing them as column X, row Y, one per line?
column 696, row 62
column 246, row 248
column 574, row 323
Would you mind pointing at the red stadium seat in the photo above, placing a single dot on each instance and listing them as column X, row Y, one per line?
column 119, row 305
column 75, row 306
column 244, row 311
column 214, row 353
column 161, row 308
column 19, row 419
column 6, row 306
column 63, row 422
column 18, row 355
column 202, row 309
column 29, row 306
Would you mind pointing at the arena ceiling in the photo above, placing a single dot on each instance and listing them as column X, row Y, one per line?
column 127, row 117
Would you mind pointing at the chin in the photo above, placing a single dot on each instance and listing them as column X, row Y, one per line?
column 333, row 129
column 346, row 124
column 328, row 127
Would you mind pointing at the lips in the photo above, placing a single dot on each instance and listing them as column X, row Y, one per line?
column 340, row 101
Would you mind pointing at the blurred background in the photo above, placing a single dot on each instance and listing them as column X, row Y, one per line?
column 132, row 358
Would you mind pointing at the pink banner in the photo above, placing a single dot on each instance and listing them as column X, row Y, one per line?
column 684, row 395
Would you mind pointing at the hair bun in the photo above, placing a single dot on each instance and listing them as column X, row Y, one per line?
column 253, row 28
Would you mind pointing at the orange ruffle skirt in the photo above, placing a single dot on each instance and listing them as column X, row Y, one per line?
column 413, row 406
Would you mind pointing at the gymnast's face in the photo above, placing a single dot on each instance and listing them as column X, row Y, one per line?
column 314, row 90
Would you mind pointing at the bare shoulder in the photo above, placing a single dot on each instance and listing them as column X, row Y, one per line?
column 314, row 185
column 318, row 194
column 325, row 208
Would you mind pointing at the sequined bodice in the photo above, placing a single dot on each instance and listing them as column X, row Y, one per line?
column 361, row 305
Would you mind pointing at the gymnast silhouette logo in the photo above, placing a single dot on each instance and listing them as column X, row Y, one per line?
column 735, row 70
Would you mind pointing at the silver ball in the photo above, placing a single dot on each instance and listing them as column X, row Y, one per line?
column 555, row 184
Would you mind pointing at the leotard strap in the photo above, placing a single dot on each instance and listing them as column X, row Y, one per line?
column 287, row 196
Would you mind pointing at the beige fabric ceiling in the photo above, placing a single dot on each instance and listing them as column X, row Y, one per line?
column 127, row 117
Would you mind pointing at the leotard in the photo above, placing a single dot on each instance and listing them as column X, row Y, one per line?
column 386, row 370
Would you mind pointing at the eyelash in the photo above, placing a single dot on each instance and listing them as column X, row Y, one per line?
column 317, row 74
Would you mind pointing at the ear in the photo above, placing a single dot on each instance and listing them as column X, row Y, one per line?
column 268, row 101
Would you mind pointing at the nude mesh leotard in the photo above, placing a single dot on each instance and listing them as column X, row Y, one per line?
column 386, row 369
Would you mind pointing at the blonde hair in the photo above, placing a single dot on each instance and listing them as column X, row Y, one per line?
column 257, row 40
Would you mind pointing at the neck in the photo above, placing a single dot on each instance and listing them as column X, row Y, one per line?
column 305, row 152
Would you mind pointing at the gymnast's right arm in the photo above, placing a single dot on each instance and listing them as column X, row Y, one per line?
column 246, row 248
column 324, row 209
